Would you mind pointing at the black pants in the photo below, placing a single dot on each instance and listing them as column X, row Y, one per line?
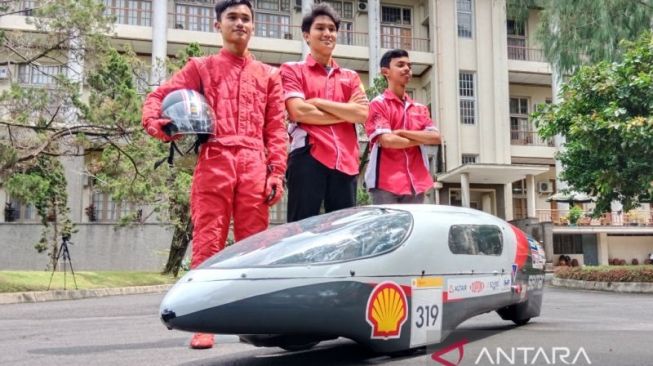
column 310, row 183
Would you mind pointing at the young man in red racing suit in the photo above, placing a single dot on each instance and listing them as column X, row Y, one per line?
column 240, row 169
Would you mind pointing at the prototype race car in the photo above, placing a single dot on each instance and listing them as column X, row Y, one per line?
column 392, row 277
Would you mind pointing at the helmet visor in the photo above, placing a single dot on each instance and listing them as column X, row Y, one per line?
column 190, row 115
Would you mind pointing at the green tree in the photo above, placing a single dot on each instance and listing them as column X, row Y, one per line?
column 38, row 126
column 606, row 116
column 573, row 33
column 128, row 170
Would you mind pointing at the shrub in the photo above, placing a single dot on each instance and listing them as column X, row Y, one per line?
column 607, row 274
column 574, row 262
column 634, row 262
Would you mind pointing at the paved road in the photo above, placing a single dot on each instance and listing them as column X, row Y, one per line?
column 603, row 328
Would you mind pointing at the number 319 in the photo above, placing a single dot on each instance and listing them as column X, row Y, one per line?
column 426, row 315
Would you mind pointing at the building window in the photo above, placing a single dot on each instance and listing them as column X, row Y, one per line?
column 475, row 240
column 567, row 244
column 467, row 98
column 396, row 27
column 346, row 11
column 273, row 19
column 27, row 7
column 469, row 159
column 104, row 209
column 42, row 75
column 133, row 12
column 273, row 26
column 274, row 5
column 410, row 93
column 464, row 9
column 521, row 132
column 18, row 211
column 194, row 18
column 516, row 40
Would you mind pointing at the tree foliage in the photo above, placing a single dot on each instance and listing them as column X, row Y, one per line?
column 578, row 32
column 607, row 118
column 95, row 114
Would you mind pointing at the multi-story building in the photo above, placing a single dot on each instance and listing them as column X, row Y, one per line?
column 480, row 73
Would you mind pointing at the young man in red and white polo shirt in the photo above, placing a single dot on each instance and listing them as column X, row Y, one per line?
column 324, row 102
column 398, row 127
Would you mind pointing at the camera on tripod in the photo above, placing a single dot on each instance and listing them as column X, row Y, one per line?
column 64, row 254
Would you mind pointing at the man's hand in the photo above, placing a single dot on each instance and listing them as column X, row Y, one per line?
column 156, row 129
column 359, row 99
column 273, row 189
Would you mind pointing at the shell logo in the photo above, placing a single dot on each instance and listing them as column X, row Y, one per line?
column 387, row 310
column 477, row 286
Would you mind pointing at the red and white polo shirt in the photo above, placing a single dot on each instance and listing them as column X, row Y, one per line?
column 336, row 145
column 399, row 171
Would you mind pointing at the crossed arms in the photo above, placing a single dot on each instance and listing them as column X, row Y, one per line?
column 318, row 111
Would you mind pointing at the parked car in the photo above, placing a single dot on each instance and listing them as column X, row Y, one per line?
column 391, row 277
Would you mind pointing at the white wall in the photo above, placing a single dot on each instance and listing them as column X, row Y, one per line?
column 629, row 247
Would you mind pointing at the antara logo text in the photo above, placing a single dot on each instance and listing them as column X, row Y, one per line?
column 532, row 356
column 513, row 355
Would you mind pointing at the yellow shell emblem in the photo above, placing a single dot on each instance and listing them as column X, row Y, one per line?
column 386, row 310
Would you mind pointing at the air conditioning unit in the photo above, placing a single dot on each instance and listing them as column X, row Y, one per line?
column 545, row 186
column 4, row 72
column 362, row 6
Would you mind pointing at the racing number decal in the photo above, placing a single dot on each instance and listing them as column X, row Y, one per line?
column 427, row 316
column 426, row 311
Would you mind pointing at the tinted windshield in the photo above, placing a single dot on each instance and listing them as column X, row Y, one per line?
column 338, row 236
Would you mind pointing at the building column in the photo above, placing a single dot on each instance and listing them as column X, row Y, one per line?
column 307, row 5
column 507, row 201
column 374, row 35
column 602, row 246
column 159, row 41
column 530, row 196
column 464, row 189
column 437, row 187
column 486, row 203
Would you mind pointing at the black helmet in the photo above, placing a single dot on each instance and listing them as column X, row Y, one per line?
column 189, row 113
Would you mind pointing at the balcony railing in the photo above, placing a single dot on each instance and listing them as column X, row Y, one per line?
column 631, row 218
column 526, row 54
column 204, row 23
column 529, row 138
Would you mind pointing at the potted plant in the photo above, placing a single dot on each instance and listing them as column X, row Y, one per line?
column 574, row 214
column 10, row 212
column 90, row 212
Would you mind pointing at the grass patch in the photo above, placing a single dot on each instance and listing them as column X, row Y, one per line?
column 642, row 273
column 19, row 281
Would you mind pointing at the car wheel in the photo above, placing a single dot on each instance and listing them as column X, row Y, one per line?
column 521, row 322
column 299, row 347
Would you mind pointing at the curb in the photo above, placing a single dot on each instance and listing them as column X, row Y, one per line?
column 56, row 295
column 623, row 287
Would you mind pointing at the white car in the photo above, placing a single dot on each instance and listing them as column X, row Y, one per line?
column 392, row 277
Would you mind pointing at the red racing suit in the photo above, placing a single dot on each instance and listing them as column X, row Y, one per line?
column 248, row 148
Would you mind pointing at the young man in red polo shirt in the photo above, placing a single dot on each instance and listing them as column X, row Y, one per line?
column 398, row 127
column 240, row 169
column 324, row 102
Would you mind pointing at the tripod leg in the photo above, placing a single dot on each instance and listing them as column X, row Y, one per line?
column 71, row 267
column 64, row 271
column 54, row 268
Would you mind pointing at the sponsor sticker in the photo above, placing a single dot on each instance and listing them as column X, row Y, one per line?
column 538, row 257
column 387, row 310
column 463, row 288
column 536, row 282
column 426, row 311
